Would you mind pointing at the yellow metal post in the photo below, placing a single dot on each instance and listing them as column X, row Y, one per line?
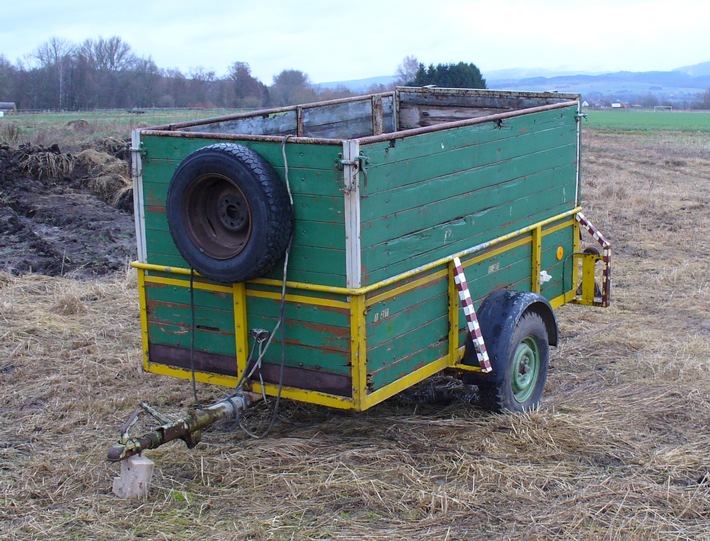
column 453, row 317
column 536, row 256
column 588, row 284
column 143, row 304
column 241, row 329
column 358, row 349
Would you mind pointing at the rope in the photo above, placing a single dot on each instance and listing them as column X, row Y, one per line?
column 192, row 335
column 279, row 323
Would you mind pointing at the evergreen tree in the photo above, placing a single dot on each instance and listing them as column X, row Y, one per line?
column 461, row 75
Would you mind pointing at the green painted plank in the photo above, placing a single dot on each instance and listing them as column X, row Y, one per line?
column 320, row 336
column 331, row 361
column 305, row 275
column 298, row 155
column 319, row 208
column 303, row 260
column 213, row 300
column 410, row 251
column 499, row 271
column 297, row 312
column 302, row 181
column 170, row 334
column 389, row 318
column 437, row 212
column 406, row 365
column 501, row 217
column 181, row 314
column 406, row 344
column 430, row 144
column 392, row 176
column 442, row 185
column 159, row 244
column 306, row 233
column 316, row 357
column 314, row 296
column 422, row 324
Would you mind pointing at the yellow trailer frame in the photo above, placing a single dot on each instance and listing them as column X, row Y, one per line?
column 359, row 301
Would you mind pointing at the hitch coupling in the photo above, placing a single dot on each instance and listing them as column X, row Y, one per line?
column 188, row 429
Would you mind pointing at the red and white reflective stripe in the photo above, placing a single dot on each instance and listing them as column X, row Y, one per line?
column 606, row 256
column 473, row 327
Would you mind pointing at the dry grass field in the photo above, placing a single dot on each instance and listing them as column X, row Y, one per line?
column 618, row 450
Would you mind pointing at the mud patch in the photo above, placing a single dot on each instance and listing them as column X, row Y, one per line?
column 59, row 217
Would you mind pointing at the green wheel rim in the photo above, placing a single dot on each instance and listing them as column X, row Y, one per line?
column 525, row 369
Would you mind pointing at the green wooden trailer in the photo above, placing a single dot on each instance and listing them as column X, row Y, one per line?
column 317, row 252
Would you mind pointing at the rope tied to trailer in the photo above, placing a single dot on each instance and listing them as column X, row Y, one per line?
column 192, row 337
column 259, row 334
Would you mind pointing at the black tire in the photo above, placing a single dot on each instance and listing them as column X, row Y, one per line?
column 525, row 370
column 229, row 213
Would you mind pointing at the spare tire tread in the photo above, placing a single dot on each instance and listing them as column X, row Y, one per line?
column 253, row 175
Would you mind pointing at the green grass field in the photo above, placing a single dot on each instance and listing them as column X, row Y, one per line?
column 49, row 128
column 69, row 129
column 630, row 120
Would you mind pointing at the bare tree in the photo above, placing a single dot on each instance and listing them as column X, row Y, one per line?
column 7, row 76
column 54, row 55
column 248, row 91
column 407, row 70
column 107, row 59
column 111, row 55
column 291, row 87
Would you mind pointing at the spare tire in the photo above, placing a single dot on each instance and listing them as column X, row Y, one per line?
column 229, row 213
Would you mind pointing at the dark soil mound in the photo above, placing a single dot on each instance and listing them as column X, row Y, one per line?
column 57, row 215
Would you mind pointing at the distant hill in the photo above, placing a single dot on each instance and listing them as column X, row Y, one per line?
column 360, row 85
column 698, row 70
column 680, row 86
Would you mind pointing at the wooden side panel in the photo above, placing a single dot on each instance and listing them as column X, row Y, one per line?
column 283, row 123
column 407, row 329
column 435, row 194
column 318, row 252
column 170, row 314
column 510, row 269
column 427, row 107
column 317, row 337
column 316, row 330
column 509, row 266
column 560, row 270
column 344, row 120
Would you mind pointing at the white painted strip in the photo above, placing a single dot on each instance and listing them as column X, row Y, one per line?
column 138, row 197
column 351, row 179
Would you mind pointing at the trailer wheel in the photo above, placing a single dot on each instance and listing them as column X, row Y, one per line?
column 229, row 213
column 525, row 368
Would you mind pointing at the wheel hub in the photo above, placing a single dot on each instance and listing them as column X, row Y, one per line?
column 217, row 217
column 233, row 212
column 526, row 368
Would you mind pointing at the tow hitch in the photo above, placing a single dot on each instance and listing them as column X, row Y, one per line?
column 137, row 471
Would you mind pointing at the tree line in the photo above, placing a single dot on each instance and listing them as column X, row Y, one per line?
column 105, row 73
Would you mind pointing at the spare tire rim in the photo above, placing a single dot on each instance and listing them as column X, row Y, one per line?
column 217, row 216
column 525, row 369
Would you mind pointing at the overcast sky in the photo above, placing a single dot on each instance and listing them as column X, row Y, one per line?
column 335, row 41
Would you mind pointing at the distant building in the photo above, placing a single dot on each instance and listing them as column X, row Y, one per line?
column 7, row 108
